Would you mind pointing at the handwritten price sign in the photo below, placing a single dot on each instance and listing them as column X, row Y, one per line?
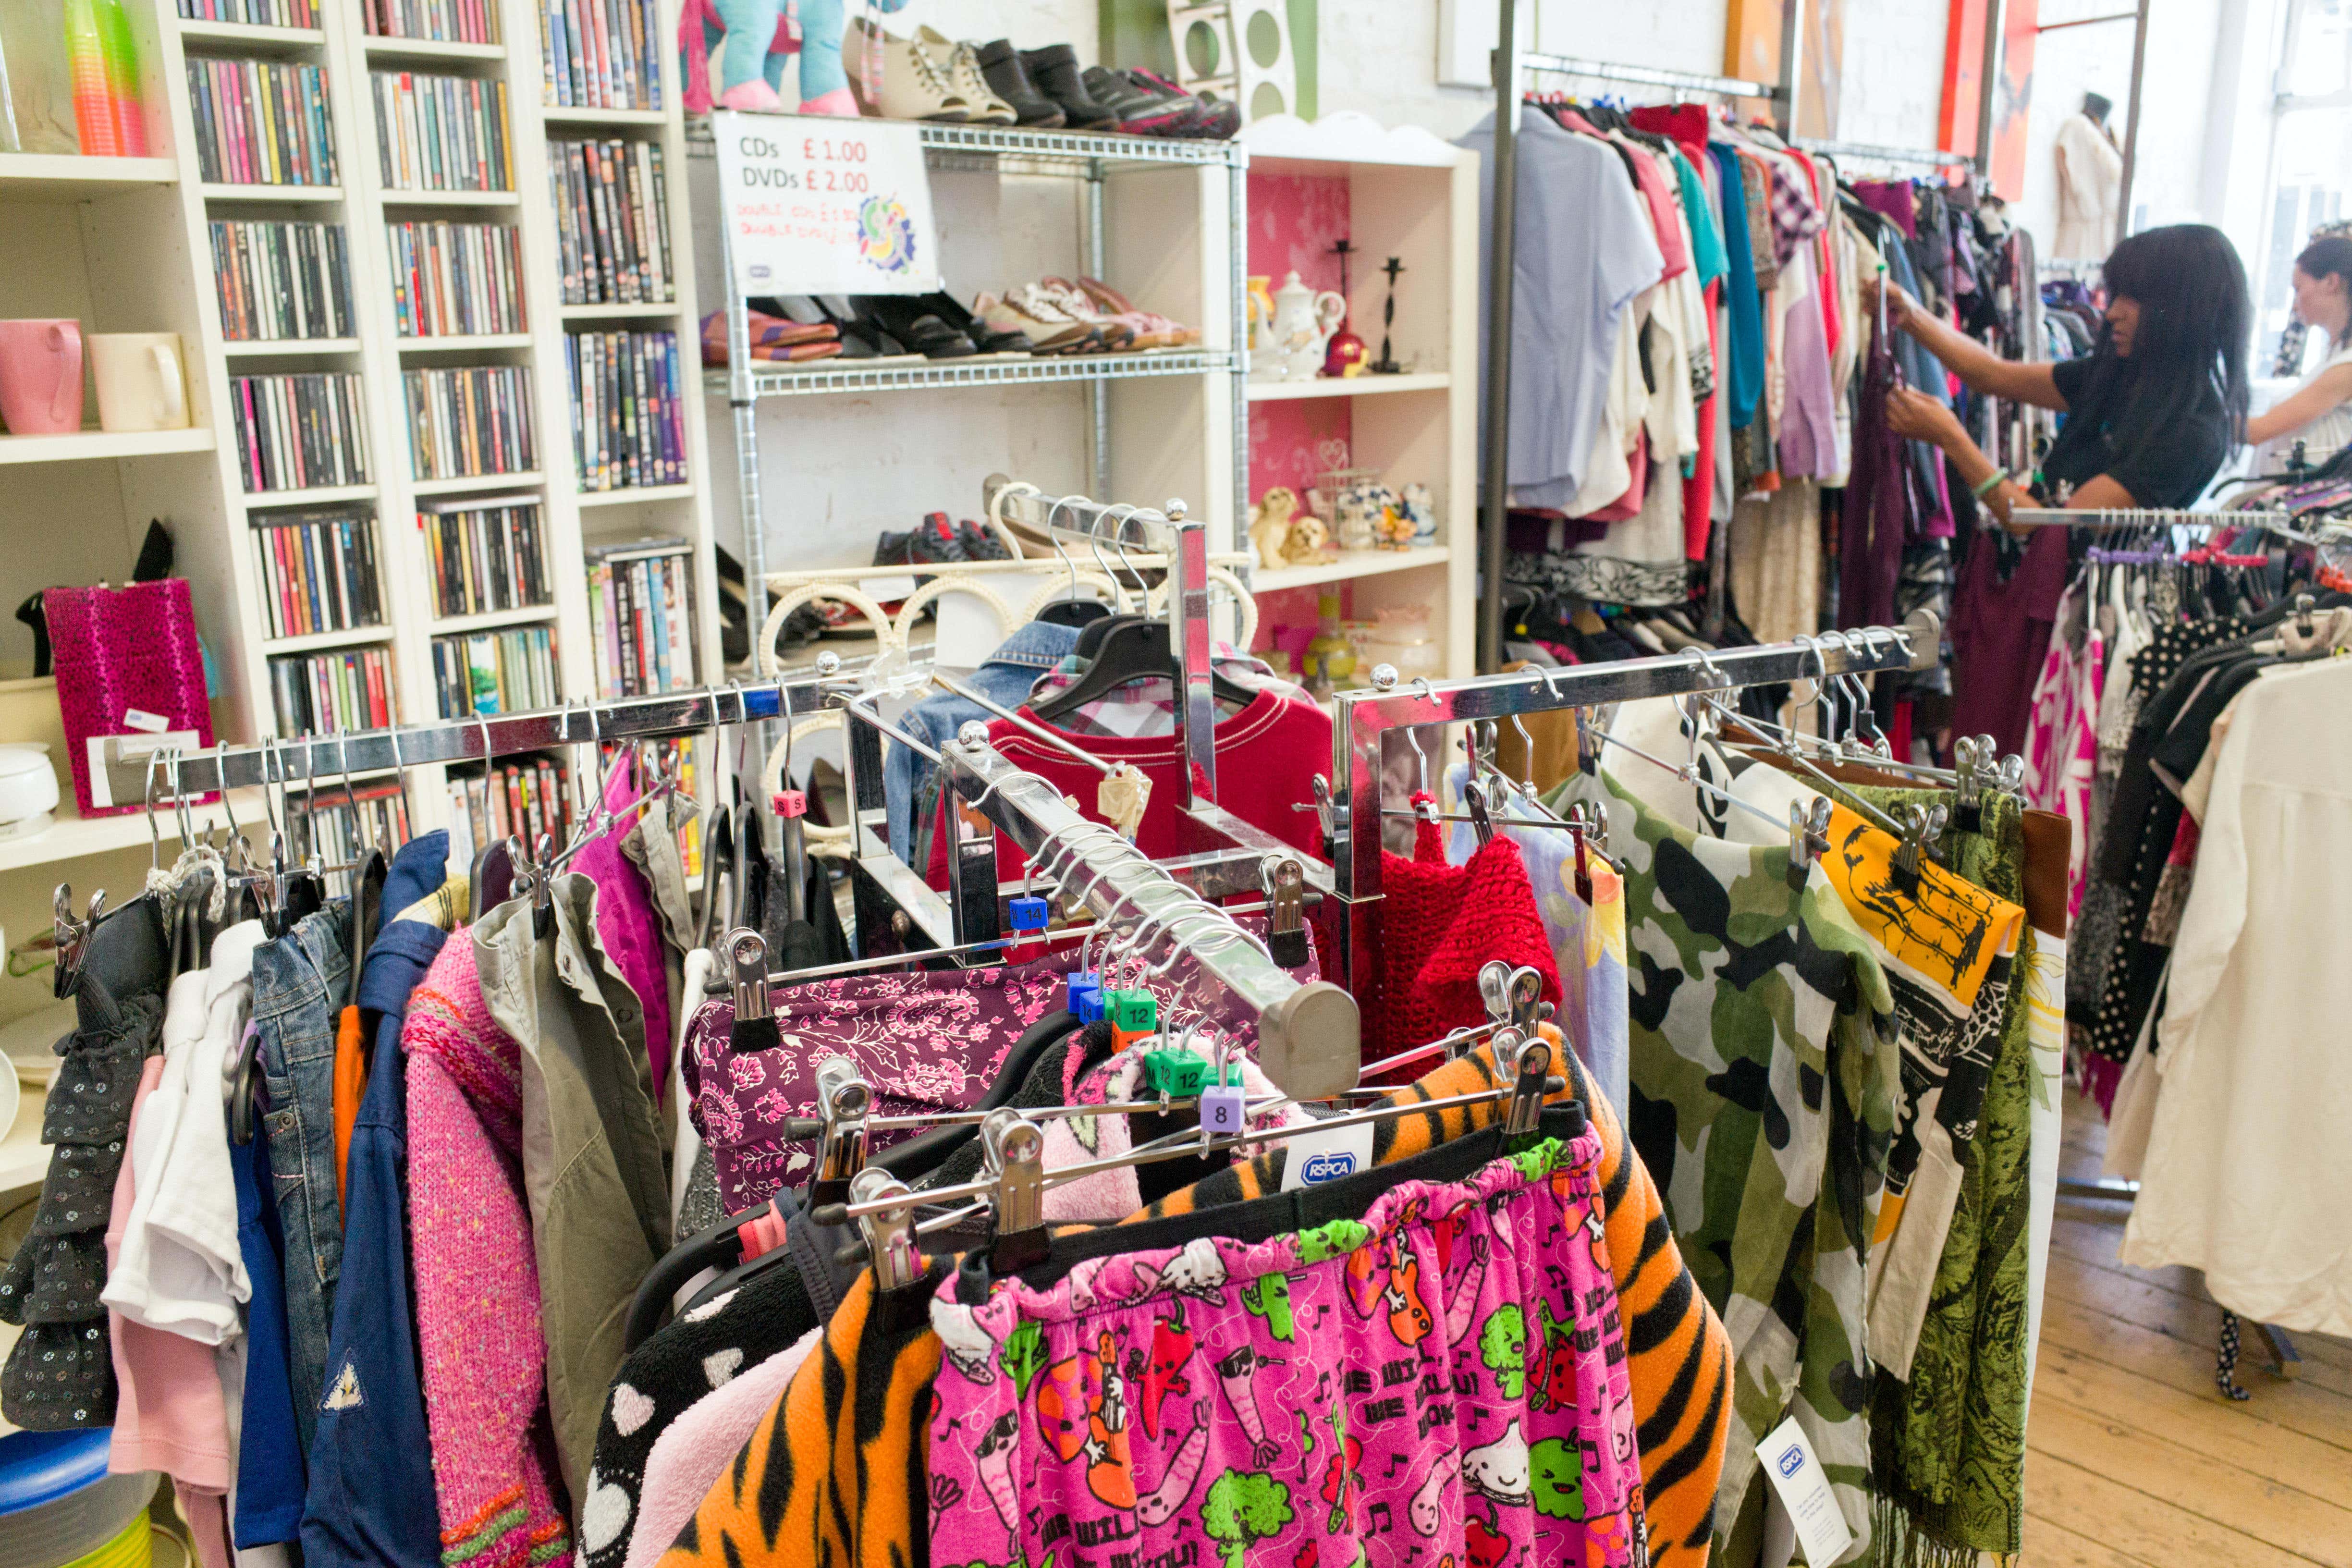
column 818, row 205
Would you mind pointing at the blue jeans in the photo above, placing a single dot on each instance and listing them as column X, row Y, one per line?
column 1004, row 679
column 300, row 981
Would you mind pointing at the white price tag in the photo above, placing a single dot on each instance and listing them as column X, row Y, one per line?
column 1312, row 1159
column 1804, row 1491
column 820, row 205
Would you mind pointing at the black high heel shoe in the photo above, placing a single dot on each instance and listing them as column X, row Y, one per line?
column 956, row 314
column 918, row 323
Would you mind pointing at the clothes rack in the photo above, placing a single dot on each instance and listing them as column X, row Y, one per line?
column 1929, row 157
column 1369, row 722
column 1223, row 853
column 1511, row 63
column 2149, row 517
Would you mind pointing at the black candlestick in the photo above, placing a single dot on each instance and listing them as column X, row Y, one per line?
column 1386, row 364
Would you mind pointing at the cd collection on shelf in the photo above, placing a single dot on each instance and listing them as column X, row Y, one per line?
column 442, row 132
column 521, row 799
column 340, row 826
column 472, row 421
column 252, row 13
column 511, row 671
column 600, row 54
column 282, row 281
column 486, row 555
column 446, row 21
column 640, row 616
column 342, row 689
column 455, row 279
column 299, row 432
column 628, row 427
column 612, row 222
column 319, row 570
column 261, row 123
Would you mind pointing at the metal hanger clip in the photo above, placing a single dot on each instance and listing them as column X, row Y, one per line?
column 1921, row 825
column 889, row 1232
column 1809, row 837
column 1285, row 881
column 747, row 952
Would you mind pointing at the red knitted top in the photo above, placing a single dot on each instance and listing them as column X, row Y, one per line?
column 1439, row 924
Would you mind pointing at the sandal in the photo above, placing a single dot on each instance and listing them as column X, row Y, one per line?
column 1055, row 332
column 1042, row 300
column 1152, row 330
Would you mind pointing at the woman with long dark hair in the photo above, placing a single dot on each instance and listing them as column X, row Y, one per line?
column 2316, row 412
column 2152, row 412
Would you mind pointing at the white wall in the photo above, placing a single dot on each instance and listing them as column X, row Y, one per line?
column 1892, row 85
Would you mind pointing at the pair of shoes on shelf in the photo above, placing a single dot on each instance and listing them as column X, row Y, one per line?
column 927, row 77
column 938, row 542
column 775, row 340
column 1085, row 317
column 1050, row 90
column 871, row 326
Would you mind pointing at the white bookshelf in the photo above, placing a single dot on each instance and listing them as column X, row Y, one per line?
column 1415, row 197
column 123, row 245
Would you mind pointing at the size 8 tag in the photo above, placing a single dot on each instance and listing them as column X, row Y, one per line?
column 1804, row 1491
column 1314, row 1158
column 1221, row 1110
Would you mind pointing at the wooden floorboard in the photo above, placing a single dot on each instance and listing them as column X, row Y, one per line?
column 2133, row 1457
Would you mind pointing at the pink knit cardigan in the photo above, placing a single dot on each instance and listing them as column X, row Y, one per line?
column 485, row 1361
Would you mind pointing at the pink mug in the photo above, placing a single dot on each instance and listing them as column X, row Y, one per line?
column 40, row 376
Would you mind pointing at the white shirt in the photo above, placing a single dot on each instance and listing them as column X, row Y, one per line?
column 2321, row 438
column 181, row 1268
column 2247, row 1159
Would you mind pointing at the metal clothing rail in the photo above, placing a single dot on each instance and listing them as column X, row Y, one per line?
column 1648, row 76
column 1928, row 156
column 134, row 768
column 2147, row 517
column 1368, row 723
column 1309, row 1036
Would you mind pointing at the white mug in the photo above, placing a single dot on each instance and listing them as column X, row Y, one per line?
column 141, row 383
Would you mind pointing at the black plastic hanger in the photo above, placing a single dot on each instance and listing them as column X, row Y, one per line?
column 1129, row 650
column 1073, row 612
column 367, row 908
column 492, row 876
column 718, row 869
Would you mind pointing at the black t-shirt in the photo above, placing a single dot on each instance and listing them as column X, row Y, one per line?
column 2171, row 471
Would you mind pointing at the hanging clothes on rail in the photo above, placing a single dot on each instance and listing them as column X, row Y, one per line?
column 1135, row 1438
column 2246, row 1129
column 1726, row 1017
column 60, row 1374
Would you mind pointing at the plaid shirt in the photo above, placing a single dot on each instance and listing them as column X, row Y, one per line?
column 1143, row 709
column 1795, row 217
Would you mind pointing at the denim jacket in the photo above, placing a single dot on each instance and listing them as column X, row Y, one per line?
column 1004, row 678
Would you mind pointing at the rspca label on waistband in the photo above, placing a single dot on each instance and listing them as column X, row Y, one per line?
column 1314, row 1158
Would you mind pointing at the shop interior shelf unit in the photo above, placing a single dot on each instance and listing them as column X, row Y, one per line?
column 1066, row 155
column 125, row 245
column 981, row 370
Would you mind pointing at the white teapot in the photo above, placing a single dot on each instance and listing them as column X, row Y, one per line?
column 1304, row 322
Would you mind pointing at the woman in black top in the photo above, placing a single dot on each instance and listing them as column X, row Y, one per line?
column 2151, row 414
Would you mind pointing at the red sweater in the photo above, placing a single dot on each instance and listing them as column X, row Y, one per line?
column 1439, row 925
column 1266, row 755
